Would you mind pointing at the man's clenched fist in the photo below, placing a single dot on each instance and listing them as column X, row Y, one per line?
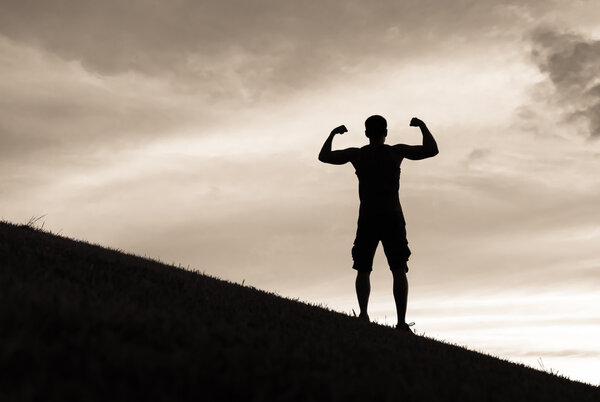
column 414, row 122
column 339, row 130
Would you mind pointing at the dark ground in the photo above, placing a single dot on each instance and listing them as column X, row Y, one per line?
column 81, row 322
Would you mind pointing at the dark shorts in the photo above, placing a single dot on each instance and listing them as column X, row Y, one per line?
column 390, row 229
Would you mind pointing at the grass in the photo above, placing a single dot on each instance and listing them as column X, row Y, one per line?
column 82, row 322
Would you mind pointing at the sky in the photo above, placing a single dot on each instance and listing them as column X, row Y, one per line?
column 188, row 131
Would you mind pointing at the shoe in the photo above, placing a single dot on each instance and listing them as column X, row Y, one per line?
column 404, row 327
column 364, row 317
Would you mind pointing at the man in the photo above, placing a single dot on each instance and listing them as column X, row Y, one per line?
column 380, row 216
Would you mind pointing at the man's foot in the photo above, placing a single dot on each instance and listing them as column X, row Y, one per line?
column 364, row 317
column 404, row 327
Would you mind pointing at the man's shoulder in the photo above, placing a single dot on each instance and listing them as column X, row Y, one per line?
column 398, row 146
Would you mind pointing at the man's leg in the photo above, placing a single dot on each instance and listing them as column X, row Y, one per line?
column 400, row 294
column 363, row 290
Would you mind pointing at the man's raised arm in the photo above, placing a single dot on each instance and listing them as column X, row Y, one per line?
column 336, row 157
column 416, row 152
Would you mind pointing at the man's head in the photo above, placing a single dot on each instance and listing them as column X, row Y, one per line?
column 376, row 128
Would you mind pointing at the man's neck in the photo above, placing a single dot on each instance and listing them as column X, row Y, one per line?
column 378, row 141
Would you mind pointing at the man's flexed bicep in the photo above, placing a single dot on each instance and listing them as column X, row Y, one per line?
column 338, row 157
column 417, row 152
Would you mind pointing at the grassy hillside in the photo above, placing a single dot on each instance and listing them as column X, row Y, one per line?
column 81, row 322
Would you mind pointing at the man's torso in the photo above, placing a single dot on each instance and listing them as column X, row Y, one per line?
column 378, row 171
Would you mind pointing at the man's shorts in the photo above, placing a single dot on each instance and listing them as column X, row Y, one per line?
column 390, row 229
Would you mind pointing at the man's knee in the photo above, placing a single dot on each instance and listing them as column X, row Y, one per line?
column 400, row 269
column 363, row 274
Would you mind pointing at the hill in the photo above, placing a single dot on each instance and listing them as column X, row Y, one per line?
column 82, row 322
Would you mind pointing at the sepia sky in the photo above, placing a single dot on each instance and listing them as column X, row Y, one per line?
column 188, row 131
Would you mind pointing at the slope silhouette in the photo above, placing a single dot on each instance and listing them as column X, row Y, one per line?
column 82, row 322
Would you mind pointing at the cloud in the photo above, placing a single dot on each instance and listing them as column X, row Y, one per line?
column 55, row 113
column 83, row 75
column 583, row 353
column 571, row 64
column 260, row 45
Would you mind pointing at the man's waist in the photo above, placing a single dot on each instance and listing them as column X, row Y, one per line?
column 380, row 208
column 380, row 202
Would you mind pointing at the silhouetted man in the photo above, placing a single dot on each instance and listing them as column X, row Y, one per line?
column 380, row 216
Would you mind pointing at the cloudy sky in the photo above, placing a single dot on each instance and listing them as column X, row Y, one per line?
column 188, row 131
